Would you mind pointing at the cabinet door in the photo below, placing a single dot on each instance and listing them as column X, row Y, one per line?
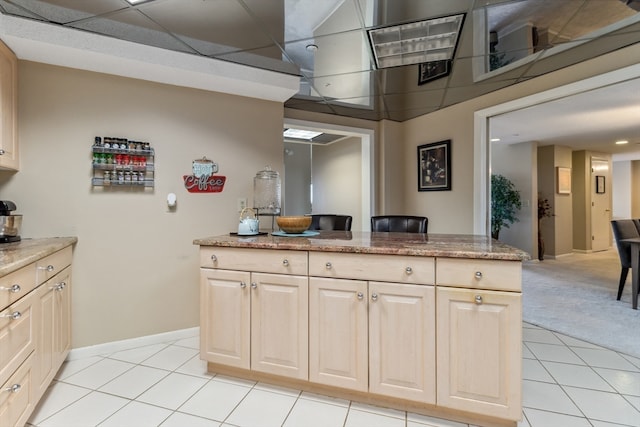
column 224, row 317
column 279, row 325
column 8, row 109
column 53, row 320
column 402, row 341
column 338, row 353
column 479, row 351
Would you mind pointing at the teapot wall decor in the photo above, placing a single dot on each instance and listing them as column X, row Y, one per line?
column 203, row 179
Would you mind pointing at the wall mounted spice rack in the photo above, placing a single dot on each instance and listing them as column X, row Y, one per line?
column 118, row 162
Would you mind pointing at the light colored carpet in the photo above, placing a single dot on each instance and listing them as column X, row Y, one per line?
column 576, row 295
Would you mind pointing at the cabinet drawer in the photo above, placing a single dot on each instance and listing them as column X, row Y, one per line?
column 16, row 403
column 16, row 335
column 15, row 285
column 381, row 268
column 266, row 261
column 479, row 274
column 53, row 264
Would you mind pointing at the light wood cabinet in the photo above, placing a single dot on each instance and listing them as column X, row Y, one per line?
column 437, row 334
column 338, row 333
column 480, row 351
column 402, row 341
column 35, row 332
column 254, row 320
column 9, row 155
column 53, row 322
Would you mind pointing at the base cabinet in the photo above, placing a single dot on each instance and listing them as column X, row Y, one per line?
column 480, row 351
column 35, row 333
column 255, row 321
column 53, row 322
column 441, row 335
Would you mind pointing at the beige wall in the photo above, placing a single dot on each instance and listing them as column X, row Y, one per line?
column 337, row 180
column 135, row 267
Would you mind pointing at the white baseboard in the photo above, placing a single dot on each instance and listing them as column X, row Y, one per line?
column 114, row 346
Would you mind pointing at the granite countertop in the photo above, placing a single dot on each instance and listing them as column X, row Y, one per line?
column 14, row 256
column 412, row 244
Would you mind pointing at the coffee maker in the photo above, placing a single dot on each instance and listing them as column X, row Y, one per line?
column 9, row 224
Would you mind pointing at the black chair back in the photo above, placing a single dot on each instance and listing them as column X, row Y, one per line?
column 399, row 223
column 624, row 229
column 330, row 222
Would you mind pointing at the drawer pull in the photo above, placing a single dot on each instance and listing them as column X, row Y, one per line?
column 14, row 388
column 285, row 263
column 408, row 270
column 14, row 288
column 49, row 268
column 59, row 287
column 214, row 258
column 254, row 285
column 374, row 297
column 478, row 299
column 328, row 266
column 13, row 316
column 2, row 152
column 360, row 295
column 243, row 285
column 478, row 275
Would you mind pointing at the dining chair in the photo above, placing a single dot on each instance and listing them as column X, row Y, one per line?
column 399, row 223
column 330, row 222
column 624, row 229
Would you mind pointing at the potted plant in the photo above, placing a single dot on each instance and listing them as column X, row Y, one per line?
column 505, row 204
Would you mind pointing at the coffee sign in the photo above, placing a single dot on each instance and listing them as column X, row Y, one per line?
column 203, row 179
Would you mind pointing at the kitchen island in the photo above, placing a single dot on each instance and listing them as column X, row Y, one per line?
column 426, row 323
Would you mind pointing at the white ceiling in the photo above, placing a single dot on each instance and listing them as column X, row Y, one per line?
column 591, row 120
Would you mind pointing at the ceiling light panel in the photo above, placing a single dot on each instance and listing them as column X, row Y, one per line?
column 416, row 42
column 300, row 134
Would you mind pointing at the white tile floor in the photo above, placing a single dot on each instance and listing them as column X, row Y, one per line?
column 567, row 383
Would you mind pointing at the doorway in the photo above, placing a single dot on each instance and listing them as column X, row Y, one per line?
column 338, row 178
column 600, row 204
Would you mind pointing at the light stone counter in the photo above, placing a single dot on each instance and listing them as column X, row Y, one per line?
column 412, row 244
column 14, row 256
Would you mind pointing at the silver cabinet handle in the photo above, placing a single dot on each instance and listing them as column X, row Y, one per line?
column 254, row 285
column 243, row 285
column 13, row 316
column 214, row 258
column 360, row 295
column 374, row 297
column 478, row 275
column 328, row 266
column 14, row 289
column 49, row 268
column 60, row 286
column 285, row 262
column 408, row 270
column 478, row 299
column 14, row 388
column 2, row 152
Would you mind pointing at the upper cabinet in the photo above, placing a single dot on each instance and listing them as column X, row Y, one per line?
column 9, row 159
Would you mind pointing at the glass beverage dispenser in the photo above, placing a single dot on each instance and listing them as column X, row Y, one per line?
column 266, row 192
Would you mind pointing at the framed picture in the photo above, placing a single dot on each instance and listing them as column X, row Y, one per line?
column 428, row 71
column 600, row 184
column 563, row 179
column 434, row 166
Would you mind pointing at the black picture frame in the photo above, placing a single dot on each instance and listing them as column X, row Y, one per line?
column 428, row 71
column 434, row 166
column 600, row 187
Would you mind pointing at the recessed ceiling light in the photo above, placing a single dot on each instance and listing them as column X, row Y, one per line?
column 495, row 139
column 622, row 142
column 312, row 47
column 416, row 42
column 300, row 134
column 135, row 2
